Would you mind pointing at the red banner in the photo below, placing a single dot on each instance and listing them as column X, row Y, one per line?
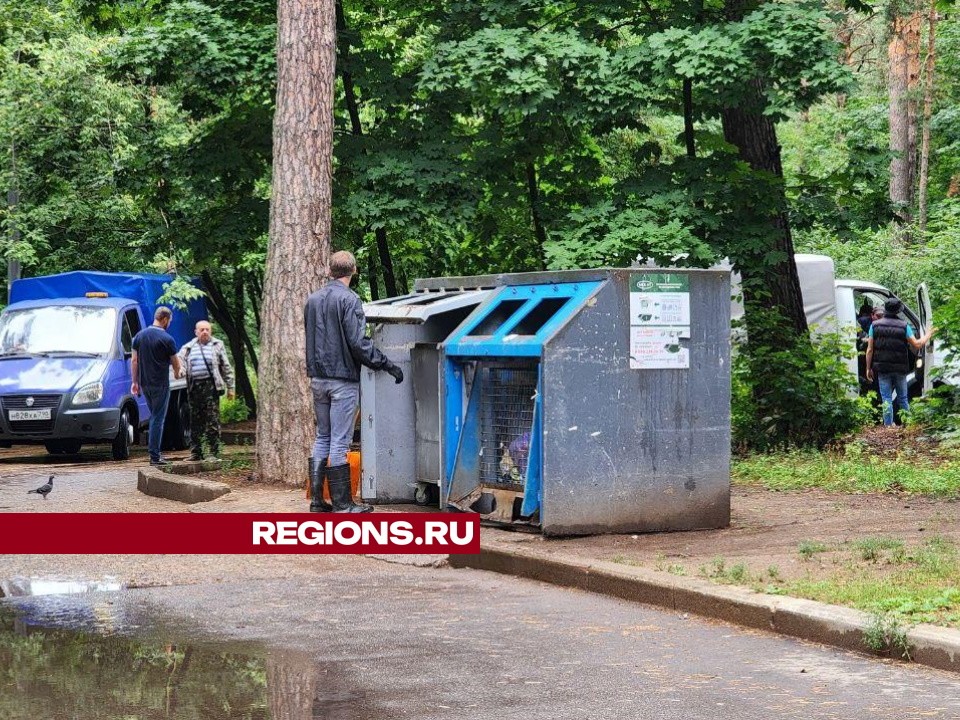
column 238, row 533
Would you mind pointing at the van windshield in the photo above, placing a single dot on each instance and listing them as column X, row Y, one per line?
column 82, row 329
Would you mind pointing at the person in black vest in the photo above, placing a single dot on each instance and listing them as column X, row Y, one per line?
column 888, row 355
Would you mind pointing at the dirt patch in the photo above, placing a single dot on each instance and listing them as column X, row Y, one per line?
column 896, row 443
column 779, row 538
column 242, row 426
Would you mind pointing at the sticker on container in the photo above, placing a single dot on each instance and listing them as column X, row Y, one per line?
column 659, row 321
column 659, row 348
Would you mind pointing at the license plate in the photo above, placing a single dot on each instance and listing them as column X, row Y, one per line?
column 41, row 414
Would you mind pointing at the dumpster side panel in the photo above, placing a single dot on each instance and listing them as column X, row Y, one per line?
column 637, row 450
column 387, row 420
column 388, row 411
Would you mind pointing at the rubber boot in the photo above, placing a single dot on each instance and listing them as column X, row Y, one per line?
column 317, row 503
column 338, row 476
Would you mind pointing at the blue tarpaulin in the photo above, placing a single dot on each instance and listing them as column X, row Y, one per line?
column 140, row 287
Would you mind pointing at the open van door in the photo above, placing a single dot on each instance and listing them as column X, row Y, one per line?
column 926, row 321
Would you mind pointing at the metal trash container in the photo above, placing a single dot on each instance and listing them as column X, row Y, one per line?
column 408, row 329
column 589, row 402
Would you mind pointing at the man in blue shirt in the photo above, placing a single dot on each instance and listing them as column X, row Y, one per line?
column 888, row 353
column 154, row 352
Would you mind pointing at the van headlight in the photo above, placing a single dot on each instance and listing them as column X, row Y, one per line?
column 92, row 393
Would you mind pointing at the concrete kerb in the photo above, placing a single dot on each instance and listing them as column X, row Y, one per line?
column 841, row 627
column 238, row 437
column 174, row 483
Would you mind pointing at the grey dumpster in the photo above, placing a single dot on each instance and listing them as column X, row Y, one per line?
column 590, row 401
column 392, row 417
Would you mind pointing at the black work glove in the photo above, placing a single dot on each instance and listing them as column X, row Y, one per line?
column 395, row 372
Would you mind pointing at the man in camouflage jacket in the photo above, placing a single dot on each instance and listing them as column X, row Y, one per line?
column 209, row 375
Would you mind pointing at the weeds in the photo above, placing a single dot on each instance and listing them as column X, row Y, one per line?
column 885, row 634
column 809, row 548
column 673, row 568
column 718, row 570
column 871, row 548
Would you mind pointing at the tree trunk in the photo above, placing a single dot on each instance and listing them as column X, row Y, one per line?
column 372, row 278
column 539, row 232
column 773, row 286
column 255, row 291
column 903, row 52
column 231, row 322
column 927, row 112
column 689, row 135
column 300, row 226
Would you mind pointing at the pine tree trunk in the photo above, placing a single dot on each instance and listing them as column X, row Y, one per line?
column 772, row 286
column 300, row 226
column 903, row 52
column 927, row 112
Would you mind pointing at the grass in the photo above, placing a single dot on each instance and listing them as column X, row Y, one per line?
column 807, row 469
column 809, row 548
column 872, row 549
column 882, row 576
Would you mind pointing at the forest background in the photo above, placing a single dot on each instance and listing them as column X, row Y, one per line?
column 506, row 135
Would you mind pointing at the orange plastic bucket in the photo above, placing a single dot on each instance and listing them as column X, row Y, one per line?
column 353, row 459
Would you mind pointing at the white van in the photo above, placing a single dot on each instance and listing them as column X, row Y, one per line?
column 831, row 306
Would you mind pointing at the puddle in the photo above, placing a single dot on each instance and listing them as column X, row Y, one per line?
column 67, row 675
column 91, row 657
column 25, row 587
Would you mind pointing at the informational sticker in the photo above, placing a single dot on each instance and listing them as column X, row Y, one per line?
column 659, row 321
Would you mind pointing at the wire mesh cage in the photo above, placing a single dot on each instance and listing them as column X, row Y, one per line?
column 507, row 395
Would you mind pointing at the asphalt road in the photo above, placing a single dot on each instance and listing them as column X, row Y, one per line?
column 353, row 638
column 376, row 640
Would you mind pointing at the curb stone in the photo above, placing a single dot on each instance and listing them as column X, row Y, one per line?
column 238, row 437
column 841, row 627
column 174, row 485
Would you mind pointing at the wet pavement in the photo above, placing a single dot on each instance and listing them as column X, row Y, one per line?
column 372, row 640
column 350, row 638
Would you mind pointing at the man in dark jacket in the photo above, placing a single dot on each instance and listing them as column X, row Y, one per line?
column 337, row 346
column 888, row 355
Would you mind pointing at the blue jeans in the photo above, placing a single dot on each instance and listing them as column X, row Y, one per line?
column 888, row 383
column 157, row 400
column 335, row 403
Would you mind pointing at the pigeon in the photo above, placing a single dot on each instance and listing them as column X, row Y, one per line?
column 43, row 490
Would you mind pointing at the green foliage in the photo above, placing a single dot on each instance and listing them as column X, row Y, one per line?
column 938, row 412
column 476, row 137
column 233, row 411
column 179, row 292
column 832, row 158
column 793, row 396
column 71, row 134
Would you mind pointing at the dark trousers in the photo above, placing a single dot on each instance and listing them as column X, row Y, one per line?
column 157, row 400
column 204, row 417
